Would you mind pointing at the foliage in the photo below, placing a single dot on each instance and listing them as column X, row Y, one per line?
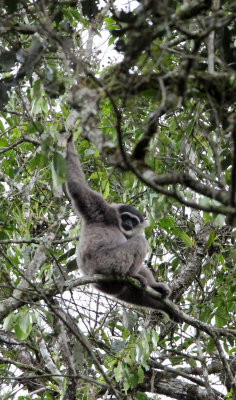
column 155, row 127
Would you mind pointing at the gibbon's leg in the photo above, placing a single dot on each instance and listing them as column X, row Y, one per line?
column 117, row 261
column 138, row 297
column 113, row 288
column 125, row 260
column 160, row 287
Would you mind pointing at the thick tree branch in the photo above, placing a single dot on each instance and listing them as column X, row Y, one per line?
column 175, row 388
column 233, row 174
column 11, row 304
column 37, row 240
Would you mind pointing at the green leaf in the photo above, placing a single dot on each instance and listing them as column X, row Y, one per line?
column 173, row 125
column 59, row 165
column 9, row 322
column 2, row 126
column 106, row 188
column 142, row 349
column 118, row 371
column 133, row 379
column 129, row 180
column 210, row 346
column 23, row 326
column 126, row 386
column 96, row 175
column 37, row 106
column 233, row 350
column 111, row 40
column 155, row 338
column 117, row 346
column 210, row 239
column 4, row 235
column 141, row 396
column 191, row 362
column 167, row 222
column 129, row 319
column 220, row 220
column 189, row 128
column 38, row 161
column 140, row 375
column 186, row 239
column 220, row 321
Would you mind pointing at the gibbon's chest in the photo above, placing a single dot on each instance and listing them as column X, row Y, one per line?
column 94, row 237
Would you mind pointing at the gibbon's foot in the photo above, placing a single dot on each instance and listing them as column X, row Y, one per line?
column 162, row 288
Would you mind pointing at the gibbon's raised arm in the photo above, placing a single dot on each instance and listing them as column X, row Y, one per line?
column 88, row 203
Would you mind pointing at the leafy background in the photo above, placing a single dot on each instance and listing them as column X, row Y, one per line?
column 149, row 89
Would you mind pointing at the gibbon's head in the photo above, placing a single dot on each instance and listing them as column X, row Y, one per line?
column 131, row 221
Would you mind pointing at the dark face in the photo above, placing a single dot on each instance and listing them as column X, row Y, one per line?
column 132, row 222
column 123, row 209
column 129, row 221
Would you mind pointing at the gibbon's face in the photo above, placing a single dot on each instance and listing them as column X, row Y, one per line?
column 131, row 221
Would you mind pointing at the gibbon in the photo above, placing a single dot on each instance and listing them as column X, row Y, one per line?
column 112, row 240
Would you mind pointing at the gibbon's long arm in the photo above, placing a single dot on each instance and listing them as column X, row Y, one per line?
column 88, row 203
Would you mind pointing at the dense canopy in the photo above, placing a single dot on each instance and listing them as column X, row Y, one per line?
column 148, row 89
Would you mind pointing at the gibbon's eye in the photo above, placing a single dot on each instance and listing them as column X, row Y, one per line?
column 128, row 222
